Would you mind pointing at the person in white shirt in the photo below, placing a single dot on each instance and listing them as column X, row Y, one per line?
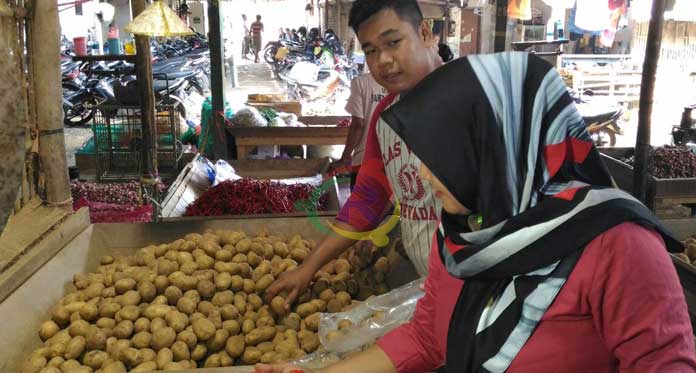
column 365, row 94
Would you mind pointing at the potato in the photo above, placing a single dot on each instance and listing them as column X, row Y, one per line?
column 243, row 246
column 95, row 339
column 50, row 369
column 251, row 355
column 162, row 338
column 60, row 316
column 141, row 325
column 345, row 324
column 173, row 293
column 213, row 361
column 141, row 340
column 327, row 295
column 280, row 248
column 341, row 265
column 333, row 335
column 78, row 328
column 159, row 300
column 308, row 341
column 123, row 330
column 56, row 362
column 81, row 369
column 334, row 306
column 147, row 354
column 312, row 321
column 156, row 311
column 131, row 297
column 264, row 282
column 186, row 305
column 128, row 313
column 343, row 297
column 80, row 281
column 94, row 290
column 203, row 328
column 205, row 307
column 180, row 351
column 194, row 295
column 176, row 320
column 164, row 357
column 188, row 337
column 319, row 304
column 248, row 325
column 188, row 268
column 161, row 283
column 95, row 359
column 199, row 352
column 147, row 291
column 278, row 305
column 229, row 312
column 240, row 302
column 75, row 347
column 292, row 321
column 34, row 364
column 206, row 288
column 223, row 255
column 69, row 364
column 124, row 285
column 147, row 366
column 258, row 335
column 130, row 356
column 222, row 298
column 255, row 301
column 225, row 359
column 48, row 329
column 299, row 254
column 156, row 324
column 231, row 326
column 306, row 309
column 217, row 342
column 265, row 321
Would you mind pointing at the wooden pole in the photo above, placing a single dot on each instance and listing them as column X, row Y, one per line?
column 647, row 88
column 501, row 19
column 143, row 73
column 217, row 79
column 47, row 89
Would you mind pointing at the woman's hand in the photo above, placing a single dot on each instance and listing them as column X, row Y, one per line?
column 280, row 368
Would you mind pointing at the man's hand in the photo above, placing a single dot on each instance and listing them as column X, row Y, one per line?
column 293, row 282
column 281, row 368
column 340, row 166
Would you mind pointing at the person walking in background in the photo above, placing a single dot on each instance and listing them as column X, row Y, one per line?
column 256, row 30
column 246, row 38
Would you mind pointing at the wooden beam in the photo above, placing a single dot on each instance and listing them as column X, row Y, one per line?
column 217, row 78
column 647, row 88
column 48, row 91
column 501, row 20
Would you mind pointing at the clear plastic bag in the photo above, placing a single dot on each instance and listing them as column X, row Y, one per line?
column 370, row 320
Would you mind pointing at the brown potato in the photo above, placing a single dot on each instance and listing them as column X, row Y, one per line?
column 147, row 291
column 95, row 339
column 255, row 301
column 48, row 329
column 173, row 293
column 130, row 312
column 265, row 321
column 327, row 295
column 258, row 335
column 264, row 282
column 56, row 362
column 312, row 321
column 95, row 359
column 199, row 352
column 147, row 354
column 308, row 341
column 345, row 324
column 235, row 346
column 188, row 337
column 156, row 311
column 125, row 284
column 75, row 347
column 176, row 320
column 251, row 356
column 203, row 328
column 213, row 361
column 306, row 309
column 180, row 351
column 248, row 325
column 319, row 304
column 141, row 340
column 243, row 246
column 240, row 302
column 94, row 290
column 186, row 305
column 217, row 342
column 161, row 283
column 334, row 306
column 222, row 298
column 69, row 364
column 61, row 316
column 236, row 283
column 157, row 324
column 114, row 367
column 141, row 325
column 292, row 321
column 343, row 297
column 206, row 288
column 164, row 357
column 130, row 356
column 147, row 366
column 231, row 326
column 78, row 327
column 229, row 312
column 249, row 286
column 163, row 337
column 131, row 297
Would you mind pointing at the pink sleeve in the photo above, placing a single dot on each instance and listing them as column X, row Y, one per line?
column 639, row 304
column 421, row 344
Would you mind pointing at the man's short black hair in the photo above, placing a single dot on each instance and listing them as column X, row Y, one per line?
column 407, row 10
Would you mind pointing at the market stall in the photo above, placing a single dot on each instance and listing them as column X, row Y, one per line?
column 249, row 138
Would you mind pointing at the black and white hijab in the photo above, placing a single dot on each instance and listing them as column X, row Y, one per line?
column 502, row 134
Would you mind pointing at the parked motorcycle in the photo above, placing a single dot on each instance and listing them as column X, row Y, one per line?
column 602, row 116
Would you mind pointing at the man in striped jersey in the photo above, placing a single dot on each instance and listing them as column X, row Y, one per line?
column 400, row 51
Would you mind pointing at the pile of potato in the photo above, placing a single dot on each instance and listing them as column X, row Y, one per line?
column 199, row 302
column 689, row 254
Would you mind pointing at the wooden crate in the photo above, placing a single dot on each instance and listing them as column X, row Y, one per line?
column 181, row 193
column 294, row 107
column 26, row 308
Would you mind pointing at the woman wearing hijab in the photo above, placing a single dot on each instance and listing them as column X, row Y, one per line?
column 566, row 273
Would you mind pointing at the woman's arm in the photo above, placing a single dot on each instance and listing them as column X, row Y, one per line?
column 638, row 303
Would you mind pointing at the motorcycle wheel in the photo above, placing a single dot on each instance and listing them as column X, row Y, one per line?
column 80, row 113
column 269, row 54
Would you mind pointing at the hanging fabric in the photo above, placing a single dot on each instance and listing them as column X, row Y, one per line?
column 520, row 9
column 617, row 10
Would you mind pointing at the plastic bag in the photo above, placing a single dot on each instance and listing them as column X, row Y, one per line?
column 224, row 172
column 202, row 173
column 249, row 117
column 371, row 319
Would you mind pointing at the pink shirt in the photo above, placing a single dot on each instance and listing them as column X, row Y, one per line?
column 621, row 310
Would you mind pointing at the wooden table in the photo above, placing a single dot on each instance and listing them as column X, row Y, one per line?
column 248, row 138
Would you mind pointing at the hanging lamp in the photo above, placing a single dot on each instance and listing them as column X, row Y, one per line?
column 158, row 20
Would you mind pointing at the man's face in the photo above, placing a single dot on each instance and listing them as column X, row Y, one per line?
column 398, row 54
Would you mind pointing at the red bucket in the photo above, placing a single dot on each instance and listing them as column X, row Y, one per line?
column 80, row 45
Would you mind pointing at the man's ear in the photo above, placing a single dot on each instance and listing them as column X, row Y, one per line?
column 426, row 34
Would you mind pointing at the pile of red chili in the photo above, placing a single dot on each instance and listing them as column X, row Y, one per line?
column 250, row 196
